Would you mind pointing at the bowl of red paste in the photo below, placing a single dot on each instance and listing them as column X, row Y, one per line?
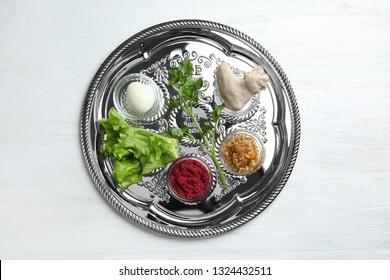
column 189, row 179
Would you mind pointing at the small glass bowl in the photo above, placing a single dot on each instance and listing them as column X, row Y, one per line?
column 259, row 146
column 202, row 195
column 123, row 108
column 246, row 112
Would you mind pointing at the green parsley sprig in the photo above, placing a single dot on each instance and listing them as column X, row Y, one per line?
column 188, row 96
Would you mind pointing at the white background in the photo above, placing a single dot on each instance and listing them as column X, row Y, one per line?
column 336, row 202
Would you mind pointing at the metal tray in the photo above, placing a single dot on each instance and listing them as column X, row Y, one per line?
column 273, row 115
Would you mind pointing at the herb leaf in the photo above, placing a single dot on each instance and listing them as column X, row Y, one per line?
column 207, row 127
column 216, row 114
column 176, row 133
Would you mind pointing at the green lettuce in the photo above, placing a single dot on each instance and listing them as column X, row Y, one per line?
column 136, row 151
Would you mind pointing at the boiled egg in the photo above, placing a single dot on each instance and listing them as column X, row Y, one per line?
column 140, row 97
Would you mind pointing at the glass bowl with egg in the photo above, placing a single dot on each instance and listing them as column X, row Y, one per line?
column 138, row 98
column 242, row 152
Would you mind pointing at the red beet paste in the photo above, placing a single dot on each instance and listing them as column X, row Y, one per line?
column 189, row 179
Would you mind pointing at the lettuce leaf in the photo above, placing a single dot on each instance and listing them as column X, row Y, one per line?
column 136, row 151
column 127, row 172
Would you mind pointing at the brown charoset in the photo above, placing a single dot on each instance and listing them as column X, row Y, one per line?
column 241, row 154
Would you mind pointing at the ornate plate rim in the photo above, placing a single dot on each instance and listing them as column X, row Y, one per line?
column 92, row 165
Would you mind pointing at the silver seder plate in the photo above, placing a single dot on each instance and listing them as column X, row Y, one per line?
column 273, row 115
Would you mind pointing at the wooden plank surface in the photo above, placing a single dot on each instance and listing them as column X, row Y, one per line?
column 336, row 203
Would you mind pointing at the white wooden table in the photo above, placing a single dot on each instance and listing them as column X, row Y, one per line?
column 336, row 204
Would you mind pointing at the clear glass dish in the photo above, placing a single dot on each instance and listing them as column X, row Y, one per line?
column 120, row 101
column 259, row 146
column 175, row 190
